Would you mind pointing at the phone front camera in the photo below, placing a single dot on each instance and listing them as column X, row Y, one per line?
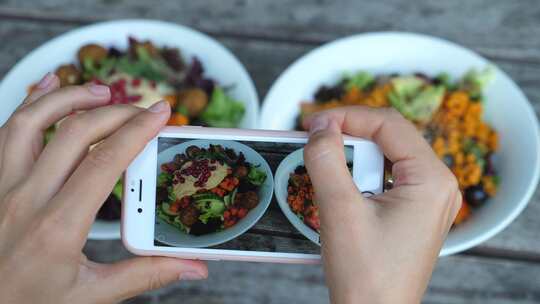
column 139, row 210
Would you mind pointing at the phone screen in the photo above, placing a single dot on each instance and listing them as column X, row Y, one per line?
column 238, row 195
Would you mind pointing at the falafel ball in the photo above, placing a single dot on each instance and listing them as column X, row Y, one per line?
column 194, row 101
column 248, row 200
column 94, row 52
column 189, row 215
column 241, row 171
column 68, row 75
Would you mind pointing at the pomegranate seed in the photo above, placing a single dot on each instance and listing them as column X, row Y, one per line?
column 134, row 98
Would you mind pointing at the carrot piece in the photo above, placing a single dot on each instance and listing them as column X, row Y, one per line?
column 463, row 214
column 218, row 191
column 177, row 119
column 175, row 206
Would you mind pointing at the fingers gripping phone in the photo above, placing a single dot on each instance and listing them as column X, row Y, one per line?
column 231, row 194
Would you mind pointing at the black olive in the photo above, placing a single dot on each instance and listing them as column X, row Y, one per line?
column 448, row 160
column 111, row 209
column 475, row 195
column 192, row 151
column 300, row 170
column 325, row 94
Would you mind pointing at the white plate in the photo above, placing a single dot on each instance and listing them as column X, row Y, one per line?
column 507, row 110
column 172, row 236
column 281, row 183
column 219, row 63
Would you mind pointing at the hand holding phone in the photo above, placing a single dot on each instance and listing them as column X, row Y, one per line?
column 380, row 249
column 206, row 193
column 49, row 196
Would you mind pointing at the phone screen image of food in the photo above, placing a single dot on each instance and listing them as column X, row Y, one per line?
column 237, row 195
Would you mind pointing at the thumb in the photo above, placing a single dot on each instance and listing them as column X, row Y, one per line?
column 134, row 276
column 325, row 162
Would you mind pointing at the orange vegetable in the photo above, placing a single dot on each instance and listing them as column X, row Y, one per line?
column 175, row 206
column 218, row 191
column 463, row 214
column 229, row 183
column 178, row 119
column 242, row 212
column 172, row 100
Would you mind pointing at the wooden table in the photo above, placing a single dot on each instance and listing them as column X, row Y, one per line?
column 267, row 36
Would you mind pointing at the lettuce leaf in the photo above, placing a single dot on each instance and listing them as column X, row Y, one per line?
column 222, row 111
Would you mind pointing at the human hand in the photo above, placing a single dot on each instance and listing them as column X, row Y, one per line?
column 380, row 249
column 50, row 195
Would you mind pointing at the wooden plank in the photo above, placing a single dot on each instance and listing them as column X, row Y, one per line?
column 520, row 237
column 458, row 279
column 508, row 25
column 24, row 36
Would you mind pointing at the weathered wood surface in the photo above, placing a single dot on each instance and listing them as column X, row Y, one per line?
column 457, row 279
column 269, row 35
column 520, row 238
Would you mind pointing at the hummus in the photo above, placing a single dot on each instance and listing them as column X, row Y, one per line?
column 185, row 184
column 139, row 92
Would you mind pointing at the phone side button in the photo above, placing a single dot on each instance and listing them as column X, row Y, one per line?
column 211, row 259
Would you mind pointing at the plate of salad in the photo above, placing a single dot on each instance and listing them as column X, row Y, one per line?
column 142, row 61
column 476, row 119
column 209, row 191
column 295, row 194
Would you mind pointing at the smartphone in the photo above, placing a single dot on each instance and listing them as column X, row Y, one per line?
column 232, row 194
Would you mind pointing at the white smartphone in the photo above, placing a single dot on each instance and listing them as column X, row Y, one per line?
column 231, row 194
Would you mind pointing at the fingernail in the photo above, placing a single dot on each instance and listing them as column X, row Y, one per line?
column 45, row 81
column 98, row 90
column 158, row 107
column 319, row 122
column 191, row 276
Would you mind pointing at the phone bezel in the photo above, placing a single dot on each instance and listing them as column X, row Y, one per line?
column 138, row 227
